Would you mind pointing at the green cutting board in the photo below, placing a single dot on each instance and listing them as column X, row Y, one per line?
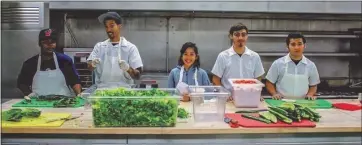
column 316, row 104
column 46, row 104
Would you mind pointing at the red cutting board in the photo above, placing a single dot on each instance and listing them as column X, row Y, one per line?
column 245, row 122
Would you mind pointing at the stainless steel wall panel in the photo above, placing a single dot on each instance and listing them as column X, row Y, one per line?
column 241, row 6
column 315, row 7
column 16, row 47
column 164, row 5
column 148, row 34
column 21, row 23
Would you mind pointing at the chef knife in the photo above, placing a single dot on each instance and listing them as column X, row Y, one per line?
column 65, row 118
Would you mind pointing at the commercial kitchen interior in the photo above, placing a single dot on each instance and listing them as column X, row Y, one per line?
column 159, row 28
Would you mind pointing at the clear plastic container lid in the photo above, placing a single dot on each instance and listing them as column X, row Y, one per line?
column 208, row 91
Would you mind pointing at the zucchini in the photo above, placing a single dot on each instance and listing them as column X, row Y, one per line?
column 311, row 111
column 311, row 114
column 315, row 119
column 248, row 111
column 288, row 107
column 256, row 118
column 305, row 115
column 268, row 116
column 298, row 105
column 297, row 111
column 292, row 116
column 279, row 110
column 281, row 117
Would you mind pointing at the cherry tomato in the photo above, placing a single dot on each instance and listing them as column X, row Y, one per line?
column 244, row 82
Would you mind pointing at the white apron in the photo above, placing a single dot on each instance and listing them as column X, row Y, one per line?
column 111, row 72
column 294, row 85
column 183, row 87
column 51, row 82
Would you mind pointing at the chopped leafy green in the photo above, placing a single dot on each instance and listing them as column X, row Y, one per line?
column 182, row 113
column 16, row 114
column 30, row 112
column 65, row 102
column 131, row 93
column 49, row 97
column 130, row 109
column 12, row 115
column 56, row 101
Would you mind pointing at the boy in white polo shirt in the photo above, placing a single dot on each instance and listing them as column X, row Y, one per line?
column 294, row 75
column 238, row 61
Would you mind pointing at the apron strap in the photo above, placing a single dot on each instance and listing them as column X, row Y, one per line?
column 286, row 66
column 39, row 63
column 119, row 48
column 55, row 61
column 195, row 77
column 181, row 75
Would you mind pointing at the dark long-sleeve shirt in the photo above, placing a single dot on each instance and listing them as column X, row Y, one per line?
column 29, row 68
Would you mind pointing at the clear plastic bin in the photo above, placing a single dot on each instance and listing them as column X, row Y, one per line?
column 133, row 107
column 246, row 95
column 208, row 103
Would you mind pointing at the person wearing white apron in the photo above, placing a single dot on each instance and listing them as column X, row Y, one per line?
column 50, row 72
column 293, row 76
column 188, row 71
column 50, row 82
column 115, row 60
column 237, row 62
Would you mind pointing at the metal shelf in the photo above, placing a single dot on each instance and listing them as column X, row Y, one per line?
column 312, row 54
column 308, row 36
column 80, row 50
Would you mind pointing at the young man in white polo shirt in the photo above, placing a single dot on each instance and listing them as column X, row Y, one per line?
column 238, row 61
column 294, row 75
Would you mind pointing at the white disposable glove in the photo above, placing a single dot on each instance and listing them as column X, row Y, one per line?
column 95, row 62
column 123, row 65
column 28, row 97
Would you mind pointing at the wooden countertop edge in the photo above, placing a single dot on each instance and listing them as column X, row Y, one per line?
column 177, row 131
